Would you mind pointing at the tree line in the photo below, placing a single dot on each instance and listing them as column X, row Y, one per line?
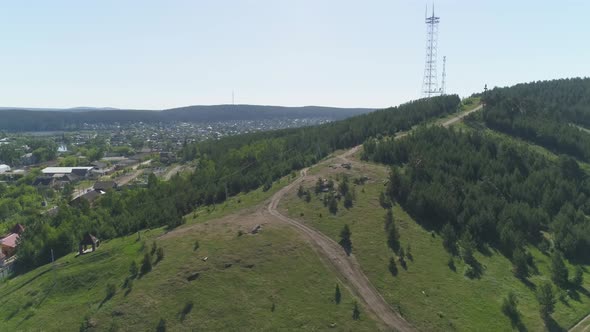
column 225, row 168
column 478, row 190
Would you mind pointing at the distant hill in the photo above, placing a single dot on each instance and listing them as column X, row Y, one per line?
column 16, row 119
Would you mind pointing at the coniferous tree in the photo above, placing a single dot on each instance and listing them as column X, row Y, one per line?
column 546, row 300
column 356, row 313
column 345, row 240
column 559, row 273
column 337, row 295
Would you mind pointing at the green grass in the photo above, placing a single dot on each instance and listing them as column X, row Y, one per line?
column 235, row 290
column 429, row 294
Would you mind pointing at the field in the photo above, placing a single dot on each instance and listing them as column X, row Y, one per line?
column 429, row 294
column 266, row 281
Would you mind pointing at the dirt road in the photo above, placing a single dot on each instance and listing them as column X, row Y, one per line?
column 346, row 266
column 459, row 117
column 582, row 326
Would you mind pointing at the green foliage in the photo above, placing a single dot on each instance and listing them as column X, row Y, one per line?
column 159, row 254
column 356, row 313
column 196, row 245
column 559, row 272
column 510, row 308
column 392, row 267
column 146, row 264
column 578, row 279
column 345, row 240
column 111, row 289
column 348, row 200
column 154, row 248
column 161, row 325
column 133, row 269
column 393, row 238
column 332, row 204
column 337, row 295
column 501, row 193
column 546, row 300
column 388, row 222
column 520, row 265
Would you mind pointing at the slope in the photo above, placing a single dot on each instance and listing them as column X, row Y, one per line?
column 266, row 281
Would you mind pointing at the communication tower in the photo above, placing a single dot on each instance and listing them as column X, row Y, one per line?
column 429, row 83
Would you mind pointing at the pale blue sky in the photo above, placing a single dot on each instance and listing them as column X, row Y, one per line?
column 160, row 54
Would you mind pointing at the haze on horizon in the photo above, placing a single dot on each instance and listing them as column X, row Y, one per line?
column 155, row 55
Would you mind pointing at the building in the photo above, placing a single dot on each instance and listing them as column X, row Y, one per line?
column 105, row 185
column 79, row 171
column 4, row 168
column 9, row 243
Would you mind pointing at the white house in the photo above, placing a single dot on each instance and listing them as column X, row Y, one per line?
column 4, row 168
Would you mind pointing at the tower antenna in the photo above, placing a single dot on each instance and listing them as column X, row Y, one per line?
column 429, row 82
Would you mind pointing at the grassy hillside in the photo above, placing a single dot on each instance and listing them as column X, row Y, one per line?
column 430, row 294
column 268, row 281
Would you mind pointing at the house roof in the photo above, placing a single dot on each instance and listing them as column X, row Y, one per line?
column 10, row 240
column 63, row 170
column 105, row 185
column 42, row 181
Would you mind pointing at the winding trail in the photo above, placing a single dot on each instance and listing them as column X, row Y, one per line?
column 347, row 266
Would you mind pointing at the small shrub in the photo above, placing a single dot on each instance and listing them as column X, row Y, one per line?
column 196, row 245
column 337, row 295
column 240, row 233
column 111, row 289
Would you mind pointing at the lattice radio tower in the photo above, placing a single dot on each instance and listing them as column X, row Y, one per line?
column 429, row 83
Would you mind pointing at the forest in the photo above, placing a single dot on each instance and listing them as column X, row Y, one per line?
column 228, row 166
column 552, row 114
column 480, row 190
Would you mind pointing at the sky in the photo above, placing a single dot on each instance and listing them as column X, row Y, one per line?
column 145, row 54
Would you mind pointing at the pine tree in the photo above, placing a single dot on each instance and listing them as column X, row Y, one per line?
column 393, row 238
column 133, row 270
column 300, row 191
column 146, row 265
column 356, row 313
column 559, row 271
column 337, row 295
column 578, row 279
column 392, row 266
column 388, row 219
column 546, row 300
column 520, row 264
column 345, row 241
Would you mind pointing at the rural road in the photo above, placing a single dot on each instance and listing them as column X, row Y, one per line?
column 347, row 266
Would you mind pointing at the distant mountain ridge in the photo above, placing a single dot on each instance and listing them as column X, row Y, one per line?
column 38, row 119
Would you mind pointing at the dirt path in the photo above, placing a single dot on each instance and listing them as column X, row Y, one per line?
column 346, row 266
column 330, row 251
column 582, row 326
column 459, row 117
column 175, row 170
